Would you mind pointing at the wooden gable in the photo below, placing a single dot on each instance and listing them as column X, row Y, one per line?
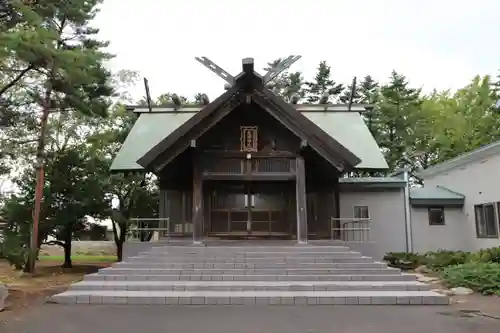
column 248, row 88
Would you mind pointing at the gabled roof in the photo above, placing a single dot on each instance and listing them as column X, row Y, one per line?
column 339, row 136
column 249, row 84
column 348, row 128
column 462, row 160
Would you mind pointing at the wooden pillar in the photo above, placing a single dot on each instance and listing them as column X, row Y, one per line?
column 301, row 201
column 336, row 213
column 197, row 203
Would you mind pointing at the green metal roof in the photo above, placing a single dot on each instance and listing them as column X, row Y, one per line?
column 146, row 133
column 348, row 128
column 434, row 193
column 370, row 180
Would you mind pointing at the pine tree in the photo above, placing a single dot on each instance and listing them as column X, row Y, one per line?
column 286, row 84
column 56, row 48
column 322, row 84
column 398, row 107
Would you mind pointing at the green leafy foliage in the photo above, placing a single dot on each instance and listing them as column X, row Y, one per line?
column 483, row 277
column 404, row 260
column 433, row 260
column 441, row 259
column 13, row 249
column 486, row 255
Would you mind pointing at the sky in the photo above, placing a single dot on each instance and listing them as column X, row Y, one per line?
column 438, row 44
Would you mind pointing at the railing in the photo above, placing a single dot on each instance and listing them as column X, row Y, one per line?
column 148, row 229
column 279, row 164
column 239, row 166
column 352, row 230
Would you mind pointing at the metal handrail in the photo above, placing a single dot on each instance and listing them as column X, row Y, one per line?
column 356, row 232
column 138, row 229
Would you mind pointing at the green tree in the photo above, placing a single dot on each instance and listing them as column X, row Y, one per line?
column 323, row 84
column 398, row 107
column 368, row 92
column 55, row 41
column 137, row 192
column 286, row 84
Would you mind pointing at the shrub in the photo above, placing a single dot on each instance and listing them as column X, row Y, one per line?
column 438, row 260
column 478, row 276
column 13, row 250
column 487, row 255
column 404, row 260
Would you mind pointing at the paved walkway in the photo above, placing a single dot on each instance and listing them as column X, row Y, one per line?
column 249, row 319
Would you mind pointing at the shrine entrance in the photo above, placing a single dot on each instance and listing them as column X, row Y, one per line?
column 251, row 209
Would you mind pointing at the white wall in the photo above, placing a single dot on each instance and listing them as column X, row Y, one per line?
column 450, row 236
column 386, row 209
column 480, row 183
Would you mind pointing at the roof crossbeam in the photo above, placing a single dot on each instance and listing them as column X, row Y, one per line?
column 280, row 67
column 216, row 69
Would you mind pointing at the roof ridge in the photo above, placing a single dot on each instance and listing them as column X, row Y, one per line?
column 462, row 159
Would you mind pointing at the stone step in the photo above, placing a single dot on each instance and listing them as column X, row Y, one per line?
column 250, row 249
column 248, row 285
column 268, row 265
column 247, row 271
column 218, row 277
column 250, row 254
column 250, row 297
column 166, row 258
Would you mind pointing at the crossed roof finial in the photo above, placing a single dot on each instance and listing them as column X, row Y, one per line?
column 270, row 75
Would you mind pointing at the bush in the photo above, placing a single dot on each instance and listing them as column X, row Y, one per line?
column 13, row 250
column 478, row 276
column 404, row 260
column 438, row 260
column 487, row 255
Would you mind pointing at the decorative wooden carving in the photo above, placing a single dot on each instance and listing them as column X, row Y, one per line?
column 249, row 137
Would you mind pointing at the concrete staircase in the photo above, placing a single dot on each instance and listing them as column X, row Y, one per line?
column 250, row 275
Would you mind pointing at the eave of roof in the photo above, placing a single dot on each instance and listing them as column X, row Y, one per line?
column 462, row 160
column 434, row 193
column 299, row 107
column 366, row 183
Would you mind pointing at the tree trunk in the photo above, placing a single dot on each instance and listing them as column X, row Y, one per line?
column 68, row 237
column 67, row 255
column 119, row 251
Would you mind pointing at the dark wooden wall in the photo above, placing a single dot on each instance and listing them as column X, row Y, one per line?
column 275, row 204
column 225, row 136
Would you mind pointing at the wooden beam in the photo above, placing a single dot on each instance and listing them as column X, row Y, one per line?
column 200, row 128
column 182, row 130
column 336, row 193
column 216, row 69
column 271, row 176
column 247, row 64
column 300, row 188
column 197, row 203
column 280, row 67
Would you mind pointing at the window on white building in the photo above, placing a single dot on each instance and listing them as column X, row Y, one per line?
column 486, row 221
column 436, row 216
column 361, row 212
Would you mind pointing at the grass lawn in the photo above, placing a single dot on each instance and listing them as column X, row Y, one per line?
column 26, row 291
column 81, row 258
